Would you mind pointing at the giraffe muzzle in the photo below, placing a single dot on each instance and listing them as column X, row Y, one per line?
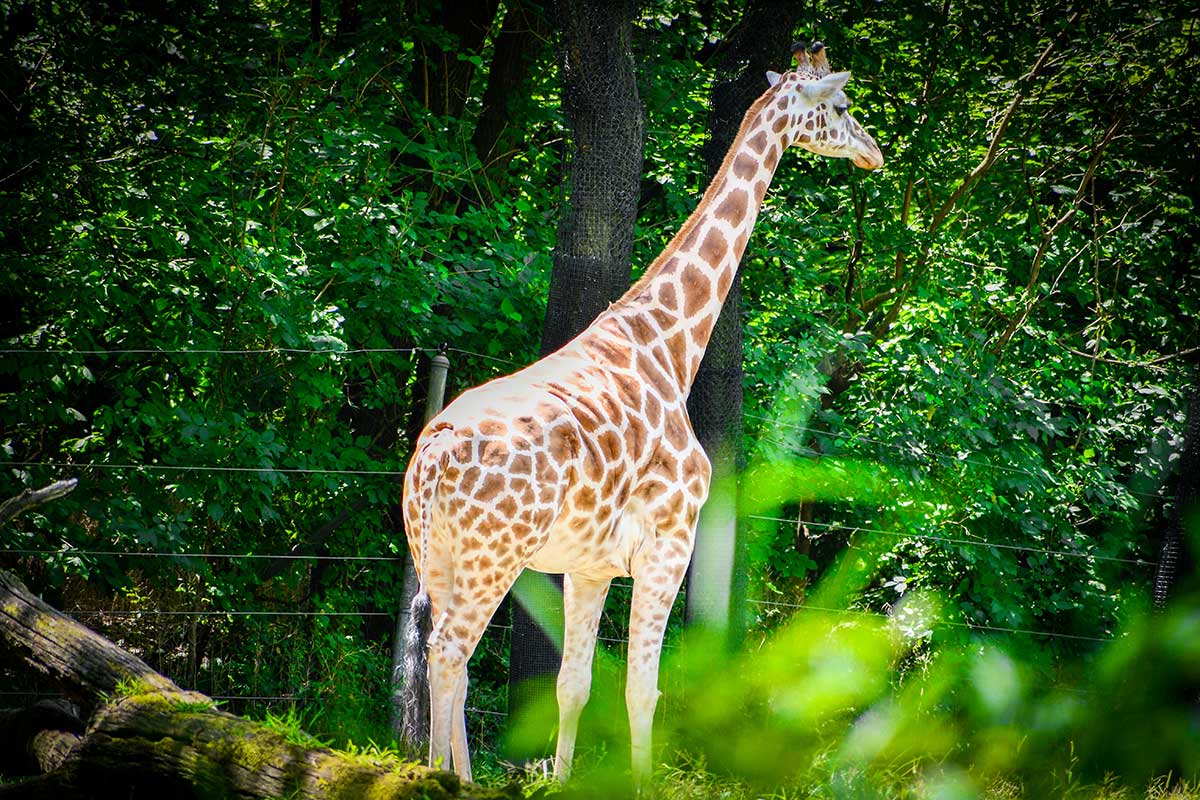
column 869, row 156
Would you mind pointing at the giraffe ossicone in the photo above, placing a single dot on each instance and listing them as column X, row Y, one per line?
column 585, row 462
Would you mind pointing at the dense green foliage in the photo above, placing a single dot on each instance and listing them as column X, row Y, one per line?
column 231, row 246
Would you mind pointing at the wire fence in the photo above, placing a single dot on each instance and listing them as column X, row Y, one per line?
column 483, row 721
column 758, row 602
column 481, row 729
column 770, row 428
column 853, row 529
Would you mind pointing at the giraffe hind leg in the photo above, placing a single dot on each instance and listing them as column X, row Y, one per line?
column 458, row 739
column 438, row 583
column 457, row 631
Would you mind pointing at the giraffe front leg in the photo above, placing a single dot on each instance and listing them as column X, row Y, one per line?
column 654, row 590
column 583, row 603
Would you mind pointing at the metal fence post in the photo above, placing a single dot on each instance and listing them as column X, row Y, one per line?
column 435, row 400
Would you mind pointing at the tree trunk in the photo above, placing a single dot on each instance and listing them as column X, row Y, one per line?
column 39, row 738
column 348, row 23
column 148, row 737
column 1173, row 557
column 518, row 46
column 314, row 21
column 595, row 238
column 716, row 580
column 442, row 80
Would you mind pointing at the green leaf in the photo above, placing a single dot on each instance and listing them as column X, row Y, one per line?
column 509, row 310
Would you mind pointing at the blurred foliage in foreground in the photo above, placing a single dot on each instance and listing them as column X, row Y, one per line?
column 852, row 704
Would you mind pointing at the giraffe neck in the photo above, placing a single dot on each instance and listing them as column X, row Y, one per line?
column 670, row 312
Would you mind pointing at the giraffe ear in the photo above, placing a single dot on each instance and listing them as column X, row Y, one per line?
column 773, row 77
column 826, row 87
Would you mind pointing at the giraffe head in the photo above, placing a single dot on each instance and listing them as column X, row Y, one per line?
column 816, row 112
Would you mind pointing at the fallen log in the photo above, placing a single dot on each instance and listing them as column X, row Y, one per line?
column 147, row 737
column 38, row 739
column 138, row 734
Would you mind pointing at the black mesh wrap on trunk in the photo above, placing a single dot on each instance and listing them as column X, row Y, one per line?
column 760, row 42
column 595, row 236
column 1173, row 558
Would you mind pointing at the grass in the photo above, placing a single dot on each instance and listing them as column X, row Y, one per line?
column 292, row 727
column 688, row 777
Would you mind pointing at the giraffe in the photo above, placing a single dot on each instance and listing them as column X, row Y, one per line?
column 585, row 462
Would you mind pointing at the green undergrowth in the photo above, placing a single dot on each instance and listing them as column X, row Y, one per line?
column 881, row 707
column 688, row 777
column 293, row 727
column 907, row 704
column 691, row 781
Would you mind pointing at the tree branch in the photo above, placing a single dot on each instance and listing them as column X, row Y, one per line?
column 1039, row 256
column 962, row 189
column 29, row 498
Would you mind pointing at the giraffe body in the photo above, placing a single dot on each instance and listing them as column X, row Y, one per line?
column 550, row 466
column 585, row 462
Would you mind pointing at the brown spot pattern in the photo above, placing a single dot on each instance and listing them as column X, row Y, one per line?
column 658, row 381
column 677, row 349
column 689, row 238
column 715, row 247
column 675, row 433
column 507, row 507
column 723, row 282
column 610, row 446
column 733, row 208
column 585, row 499
column 643, row 331
column 492, row 427
column 695, row 290
column 493, row 454
column 771, row 159
column 635, row 435
column 744, row 167
column 666, row 296
column 609, row 351
column 630, row 391
column 653, row 409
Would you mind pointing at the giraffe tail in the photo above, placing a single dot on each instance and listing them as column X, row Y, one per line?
column 414, row 693
column 414, row 696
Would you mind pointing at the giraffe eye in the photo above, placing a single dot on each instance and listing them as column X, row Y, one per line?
column 841, row 109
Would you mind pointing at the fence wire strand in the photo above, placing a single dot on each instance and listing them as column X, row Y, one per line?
column 944, row 457
column 852, row 529
column 776, row 426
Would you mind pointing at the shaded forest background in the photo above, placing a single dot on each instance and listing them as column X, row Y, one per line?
column 234, row 233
